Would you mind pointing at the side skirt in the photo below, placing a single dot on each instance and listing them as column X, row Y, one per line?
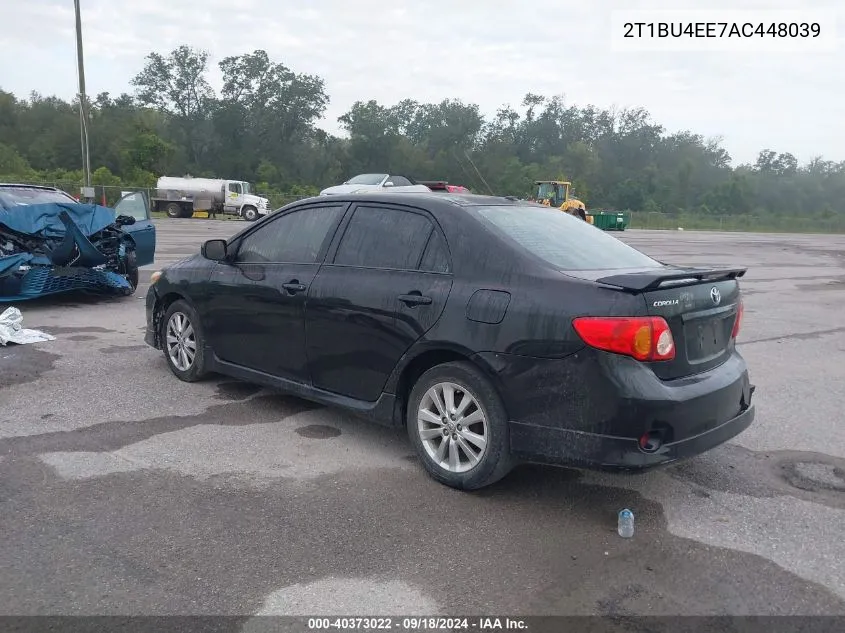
column 381, row 411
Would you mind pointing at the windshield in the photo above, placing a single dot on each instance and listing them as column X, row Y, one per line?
column 546, row 190
column 23, row 196
column 366, row 179
column 248, row 187
column 565, row 241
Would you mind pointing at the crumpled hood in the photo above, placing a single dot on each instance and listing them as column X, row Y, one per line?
column 44, row 220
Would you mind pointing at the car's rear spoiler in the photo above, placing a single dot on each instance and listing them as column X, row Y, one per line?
column 644, row 281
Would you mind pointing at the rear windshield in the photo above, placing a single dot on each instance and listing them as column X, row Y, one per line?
column 366, row 179
column 563, row 240
column 23, row 196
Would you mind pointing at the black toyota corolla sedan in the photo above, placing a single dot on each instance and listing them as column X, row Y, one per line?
column 496, row 331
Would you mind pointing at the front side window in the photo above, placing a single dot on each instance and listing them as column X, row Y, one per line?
column 235, row 187
column 379, row 237
column 296, row 237
column 563, row 240
column 134, row 205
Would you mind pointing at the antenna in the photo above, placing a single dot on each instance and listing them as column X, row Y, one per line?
column 479, row 173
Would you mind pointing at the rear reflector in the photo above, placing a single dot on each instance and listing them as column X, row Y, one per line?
column 643, row 338
column 740, row 310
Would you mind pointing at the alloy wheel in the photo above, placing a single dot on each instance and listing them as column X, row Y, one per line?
column 181, row 341
column 452, row 427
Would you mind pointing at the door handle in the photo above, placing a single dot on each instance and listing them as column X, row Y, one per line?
column 414, row 299
column 293, row 287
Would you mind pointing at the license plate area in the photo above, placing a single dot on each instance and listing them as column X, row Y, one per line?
column 706, row 338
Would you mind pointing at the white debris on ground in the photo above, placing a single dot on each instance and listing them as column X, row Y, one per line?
column 12, row 330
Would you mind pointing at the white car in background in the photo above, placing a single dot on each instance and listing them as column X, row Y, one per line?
column 375, row 182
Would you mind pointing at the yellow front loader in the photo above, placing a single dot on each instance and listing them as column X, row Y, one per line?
column 556, row 193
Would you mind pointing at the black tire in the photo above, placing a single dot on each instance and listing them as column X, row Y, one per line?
column 174, row 210
column 250, row 214
column 495, row 462
column 197, row 369
column 132, row 273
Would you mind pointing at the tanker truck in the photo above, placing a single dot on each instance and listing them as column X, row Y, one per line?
column 182, row 197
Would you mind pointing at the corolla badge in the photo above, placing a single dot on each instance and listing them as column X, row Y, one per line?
column 715, row 295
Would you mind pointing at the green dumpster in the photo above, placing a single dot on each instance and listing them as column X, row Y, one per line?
column 610, row 220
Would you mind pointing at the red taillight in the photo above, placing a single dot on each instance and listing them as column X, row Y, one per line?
column 740, row 310
column 643, row 338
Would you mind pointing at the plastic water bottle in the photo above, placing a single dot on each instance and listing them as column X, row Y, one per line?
column 626, row 523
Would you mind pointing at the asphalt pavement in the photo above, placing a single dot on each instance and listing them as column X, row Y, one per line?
column 125, row 491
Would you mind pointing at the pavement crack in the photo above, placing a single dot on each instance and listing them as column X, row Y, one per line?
column 798, row 336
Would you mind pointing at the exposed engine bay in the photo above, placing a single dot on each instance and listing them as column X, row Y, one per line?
column 59, row 247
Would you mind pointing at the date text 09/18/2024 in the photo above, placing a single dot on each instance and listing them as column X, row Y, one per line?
column 418, row 623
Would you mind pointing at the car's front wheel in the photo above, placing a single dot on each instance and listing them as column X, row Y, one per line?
column 132, row 272
column 459, row 427
column 182, row 341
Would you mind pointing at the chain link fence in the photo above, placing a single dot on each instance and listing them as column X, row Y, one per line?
column 108, row 195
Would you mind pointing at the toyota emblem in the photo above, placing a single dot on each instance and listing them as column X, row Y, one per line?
column 715, row 295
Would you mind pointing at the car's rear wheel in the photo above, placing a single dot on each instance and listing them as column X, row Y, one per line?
column 458, row 426
column 182, row 341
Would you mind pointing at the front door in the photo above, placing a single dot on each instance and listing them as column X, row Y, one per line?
column 143, row 232
column 257, row 307
column 234, row 197
column 376, row 297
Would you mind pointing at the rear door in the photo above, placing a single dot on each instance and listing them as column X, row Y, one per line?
column 137, row 206
column 382, row 287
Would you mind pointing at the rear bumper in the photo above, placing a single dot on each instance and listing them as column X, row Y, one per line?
column 592, row 409
column 604, row 452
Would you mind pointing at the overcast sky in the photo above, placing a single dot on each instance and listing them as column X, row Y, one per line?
column 488, row 52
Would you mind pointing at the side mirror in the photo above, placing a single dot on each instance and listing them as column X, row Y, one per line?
column 215, row 250
column 388, row 184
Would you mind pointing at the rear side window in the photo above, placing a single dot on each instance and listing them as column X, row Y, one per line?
column 294, row 238
column 563, row 240
column 436, row 256
column 379, row 237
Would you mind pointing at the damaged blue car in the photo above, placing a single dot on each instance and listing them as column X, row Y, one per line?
column 50, row 243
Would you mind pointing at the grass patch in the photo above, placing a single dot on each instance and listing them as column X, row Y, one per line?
column 740, row 223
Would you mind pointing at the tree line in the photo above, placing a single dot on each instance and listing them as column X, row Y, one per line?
column 261, row 126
